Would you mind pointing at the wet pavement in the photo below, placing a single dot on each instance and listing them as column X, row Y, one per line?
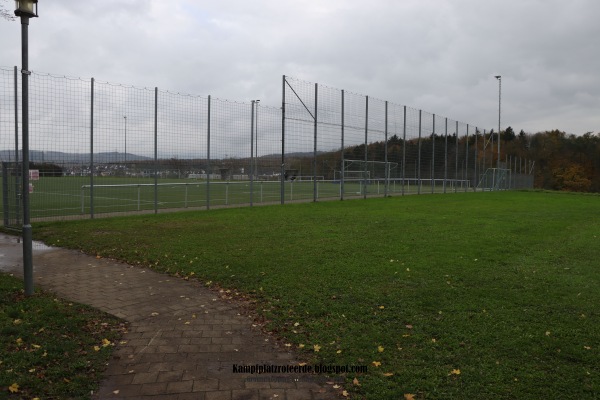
column 184, row 340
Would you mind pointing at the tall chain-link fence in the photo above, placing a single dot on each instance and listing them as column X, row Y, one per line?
column 103, row 148
column 352, row 145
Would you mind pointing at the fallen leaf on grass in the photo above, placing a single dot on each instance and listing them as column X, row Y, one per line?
column 388, row 374
column 380, row 349
column 14, row 388
column 316, row 347
column 345, row 393
column 355, row 382
column 376, row 363
column 455, row 372
column 409, row 396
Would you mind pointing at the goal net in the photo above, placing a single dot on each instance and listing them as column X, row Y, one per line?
column 355, row 170
column 494, row 179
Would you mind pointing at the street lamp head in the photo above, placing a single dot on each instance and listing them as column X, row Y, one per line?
column 498, row 77
column 26, row 8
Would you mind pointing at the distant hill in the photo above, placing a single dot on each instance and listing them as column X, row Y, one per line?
column 72, row 158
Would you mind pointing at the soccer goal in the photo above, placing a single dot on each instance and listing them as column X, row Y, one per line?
column 494, row 179
column 360, row 170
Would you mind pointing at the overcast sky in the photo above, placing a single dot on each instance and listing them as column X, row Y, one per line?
column 436, row 55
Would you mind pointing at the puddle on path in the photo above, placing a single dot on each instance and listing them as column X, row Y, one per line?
column 11, row 251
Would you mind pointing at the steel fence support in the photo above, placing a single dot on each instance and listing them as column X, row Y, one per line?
column 433, row 156
column 315, row 145
column 251, row 152
column 282, row 178
column 467, row 159
column 403, row 150
column 155, row 150
column 342, row 175
column 91, row 150
column 456, row 160
column 366, row 141
column 208, row 170
column 445, row 154
column 419, row 156
column 476, row 160
column 385, row 155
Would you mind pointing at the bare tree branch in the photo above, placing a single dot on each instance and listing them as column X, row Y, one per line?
column 7, row 15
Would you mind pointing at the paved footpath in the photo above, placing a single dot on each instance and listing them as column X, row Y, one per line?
column 183, row 340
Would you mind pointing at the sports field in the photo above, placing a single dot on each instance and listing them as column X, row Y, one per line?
column 57, row 197
column 471, row 296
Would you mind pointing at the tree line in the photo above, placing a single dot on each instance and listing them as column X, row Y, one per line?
column 562, row 161
column 558, row 161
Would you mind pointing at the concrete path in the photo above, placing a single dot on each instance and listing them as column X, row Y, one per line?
column 184, row 341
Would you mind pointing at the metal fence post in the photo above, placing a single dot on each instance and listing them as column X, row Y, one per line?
column 456, row 160
column 208, row 156
column 433, row 155
column 385, row 155
column 315, row 194
column 282, row 177
column 467, row 159
column 251, row 152
column 403, row 150
column 155, row 150
column 91, row 151
column 475, row 161
column 419, row 156
column 366, row 142
column 342, row 175
column 446, row 154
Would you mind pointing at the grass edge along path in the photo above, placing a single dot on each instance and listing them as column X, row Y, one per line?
column 51, row 348
column 478, row 295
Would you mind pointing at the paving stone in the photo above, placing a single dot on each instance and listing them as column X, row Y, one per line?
column 166, row 353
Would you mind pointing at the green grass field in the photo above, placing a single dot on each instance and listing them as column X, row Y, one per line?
column 51, row 348
column 56, row 197
column 466, row 296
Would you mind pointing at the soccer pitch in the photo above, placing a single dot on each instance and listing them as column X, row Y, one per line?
column 473, row 296
column 68, row 197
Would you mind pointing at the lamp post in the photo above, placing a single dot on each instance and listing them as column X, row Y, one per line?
column 499, row 113
column 26, row 9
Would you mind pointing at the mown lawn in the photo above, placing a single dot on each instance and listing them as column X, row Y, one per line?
column 470, row 295
column 51, row 348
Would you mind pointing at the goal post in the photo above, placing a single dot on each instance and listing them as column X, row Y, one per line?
column 494, row 179
column 365, row 170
